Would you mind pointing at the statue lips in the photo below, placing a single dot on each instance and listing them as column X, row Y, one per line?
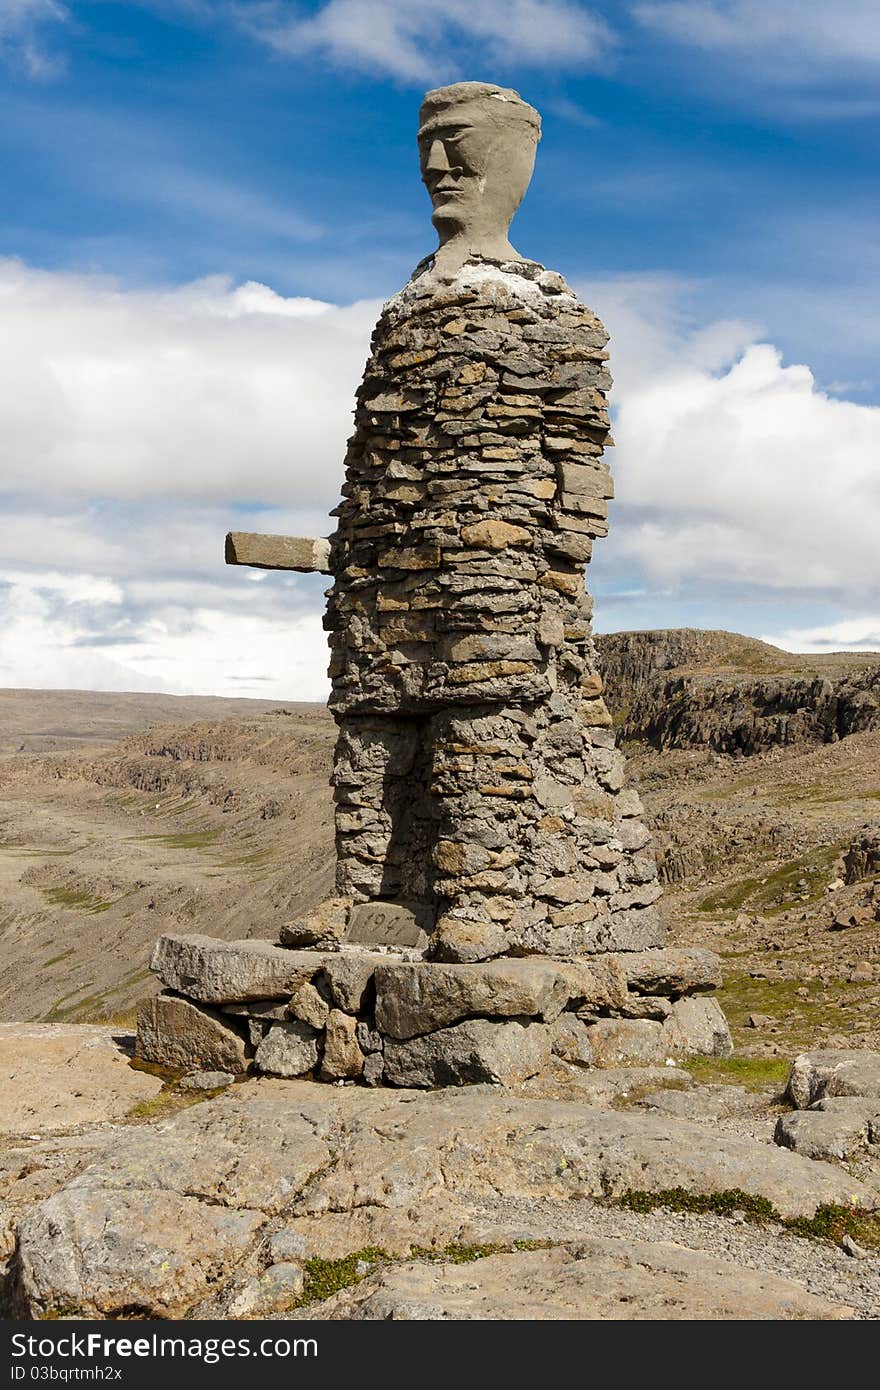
column 444, row 193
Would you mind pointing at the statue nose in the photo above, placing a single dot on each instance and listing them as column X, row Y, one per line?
column 437, row 158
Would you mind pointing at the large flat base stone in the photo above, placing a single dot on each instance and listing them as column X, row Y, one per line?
column 214, row 971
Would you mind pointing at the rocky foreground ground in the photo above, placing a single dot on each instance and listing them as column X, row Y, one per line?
column 633, row 1193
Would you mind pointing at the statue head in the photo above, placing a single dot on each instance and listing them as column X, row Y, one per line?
column 477, row 146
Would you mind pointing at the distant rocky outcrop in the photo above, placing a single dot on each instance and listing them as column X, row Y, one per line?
column 687, row 689
column 862, row 859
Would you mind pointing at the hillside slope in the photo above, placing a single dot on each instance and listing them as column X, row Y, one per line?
column 222, row 826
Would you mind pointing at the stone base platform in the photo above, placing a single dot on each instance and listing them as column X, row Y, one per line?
column 388, row 1016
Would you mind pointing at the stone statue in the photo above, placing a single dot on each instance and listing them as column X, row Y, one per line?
column 477, row 783
column 481, row 815
column 477, row 147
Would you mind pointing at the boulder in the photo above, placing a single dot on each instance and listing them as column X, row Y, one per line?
column 834, row 1128
column 613, row 1042
column 456, row 940
column 477, row 1050
column 571, row 1040
column 672, row 970
column 218, row 972
column 698, row 1027
column 425, row 996
column 175, row 1032
column 207, row 1081
column 349, row 978
column 342, row 1055
column 833, row 1073
column 287, row 1049
column 309, row 1006
column 324, row 926
column 598, row 982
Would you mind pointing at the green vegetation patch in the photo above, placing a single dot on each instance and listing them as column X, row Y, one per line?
column 91, row 1008
column 175, row 807
column 55, row 959
column 457, row 1254
column 168, row 1102
column 830, row 1222
column 168, row 1074
column 255, row 857
column 821, row 794
column 732, row 1201
column 78, row 898
column 185, row 839
column 323, row 1278
column 834, row 1222
column 799, row 1008
column 755, row 1073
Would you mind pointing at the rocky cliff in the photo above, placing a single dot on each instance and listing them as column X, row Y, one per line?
column 688, row 689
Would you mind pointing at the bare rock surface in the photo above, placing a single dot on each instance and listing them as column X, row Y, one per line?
column 598, row 1278
column 168, row 1211
column 54, row 1077
column 169, row 1214
column 32, row 1169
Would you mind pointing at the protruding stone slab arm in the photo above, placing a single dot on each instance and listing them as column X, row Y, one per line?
column 308, row 554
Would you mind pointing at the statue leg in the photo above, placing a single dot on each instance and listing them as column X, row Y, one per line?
column 384, row 812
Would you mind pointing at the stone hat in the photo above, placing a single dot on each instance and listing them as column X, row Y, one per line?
column 442, row 99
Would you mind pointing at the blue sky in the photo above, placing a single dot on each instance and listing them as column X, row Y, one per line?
column 206, row 201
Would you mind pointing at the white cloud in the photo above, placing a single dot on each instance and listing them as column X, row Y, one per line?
column 208, row 391
column 426, row 39
column 799, row 38
column 853, row 634
column 733, row 468
column 22, row 44
column 47, row 641
column 136, row 425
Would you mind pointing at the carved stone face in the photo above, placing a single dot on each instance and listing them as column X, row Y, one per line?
column 477, row 148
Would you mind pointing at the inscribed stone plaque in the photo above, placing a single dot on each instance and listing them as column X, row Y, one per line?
column 384, row 924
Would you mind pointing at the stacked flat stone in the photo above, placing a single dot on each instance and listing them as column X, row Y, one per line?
column 497, row 889
column 345, row 1013
column 476, row 775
